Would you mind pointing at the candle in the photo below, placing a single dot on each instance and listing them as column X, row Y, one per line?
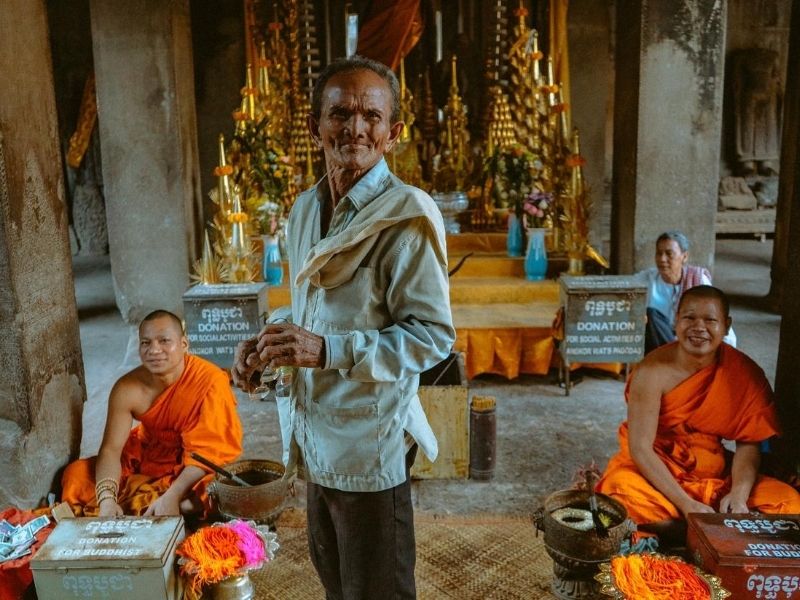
column 536, row 73
column 550, row 81
column 438, row 36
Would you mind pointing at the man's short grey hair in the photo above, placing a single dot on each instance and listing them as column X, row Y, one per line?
column 348, row 65
column 676, row 236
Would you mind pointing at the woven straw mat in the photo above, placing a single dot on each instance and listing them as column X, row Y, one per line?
column 461, row 557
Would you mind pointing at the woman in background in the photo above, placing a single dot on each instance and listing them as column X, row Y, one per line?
column 666, row 282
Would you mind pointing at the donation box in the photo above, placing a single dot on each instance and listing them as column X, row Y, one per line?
column 604, row 319
column 755, row 556
column 219, row 316
column 123, row 558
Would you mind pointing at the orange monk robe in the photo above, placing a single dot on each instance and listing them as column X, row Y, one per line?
column 197, row 413
column 729, row 400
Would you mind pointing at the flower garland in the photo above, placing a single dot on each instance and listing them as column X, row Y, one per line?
column 215, row 553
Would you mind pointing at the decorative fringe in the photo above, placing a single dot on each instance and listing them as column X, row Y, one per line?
column 211, row 554
column 214, row 553
column 249, row 543
column 646, row 577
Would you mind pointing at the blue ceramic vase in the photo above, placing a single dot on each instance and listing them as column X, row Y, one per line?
column 272, row 265
column 536, row 256
column 514, row 243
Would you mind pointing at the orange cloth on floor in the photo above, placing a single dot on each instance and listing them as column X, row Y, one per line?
column 729, row 400
column 15, row 575
column 197, row 413
column 506, row 352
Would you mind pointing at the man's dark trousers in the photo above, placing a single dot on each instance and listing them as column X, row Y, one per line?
column 362, row 543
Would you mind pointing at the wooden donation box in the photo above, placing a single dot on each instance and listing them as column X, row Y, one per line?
column 755, row 556
column 219, row 316
column 124, row 558
column 444, row 396
column 604, row 319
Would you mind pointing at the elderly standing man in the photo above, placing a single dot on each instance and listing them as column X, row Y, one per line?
column 370, row 311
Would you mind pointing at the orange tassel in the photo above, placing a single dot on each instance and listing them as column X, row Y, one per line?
column 647, row 577
column 211, row 555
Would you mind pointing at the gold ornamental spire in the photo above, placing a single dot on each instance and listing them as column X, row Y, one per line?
column 500, row 127
column 524, row 72
column 249, row 93
column 454, row 164
column 575, row 216
column 207, row 267
column 407, row 115
column 404, row 156
column 223, row 173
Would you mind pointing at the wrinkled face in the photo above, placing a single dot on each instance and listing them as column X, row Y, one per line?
column 355, row 128
column 700, row 325
column 670, row 260
column 162, row 346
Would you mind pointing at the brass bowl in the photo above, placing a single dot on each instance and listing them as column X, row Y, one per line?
column 609, row 588
column 262, row 502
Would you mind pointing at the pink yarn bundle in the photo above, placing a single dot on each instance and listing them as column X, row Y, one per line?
column 249, row 543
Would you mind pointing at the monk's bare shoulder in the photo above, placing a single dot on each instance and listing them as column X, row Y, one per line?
column 131, row 392
column 656, row 373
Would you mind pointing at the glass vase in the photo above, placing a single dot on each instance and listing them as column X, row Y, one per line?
column 514, row 243
column 272, row 266
column 536, row 255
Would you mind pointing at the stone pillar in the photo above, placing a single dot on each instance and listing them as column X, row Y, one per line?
column 788, row 181
column 787, row 377
column 146, row 114
column 41, row 380
column 592, row 84
column 667, row 123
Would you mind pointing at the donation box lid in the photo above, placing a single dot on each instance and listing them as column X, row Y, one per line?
column 110, row 542
column 741, row 539
column 602, row 283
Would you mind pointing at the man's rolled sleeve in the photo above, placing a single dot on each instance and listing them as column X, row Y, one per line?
column 338, row 351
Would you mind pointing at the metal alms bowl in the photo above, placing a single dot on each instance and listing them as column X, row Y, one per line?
column 262, row 502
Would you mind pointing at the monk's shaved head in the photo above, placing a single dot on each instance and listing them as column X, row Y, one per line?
column 708, row 292
column 157, row 314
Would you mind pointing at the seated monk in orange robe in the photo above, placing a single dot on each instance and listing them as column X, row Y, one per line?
column 683, row 400
column 184, row 404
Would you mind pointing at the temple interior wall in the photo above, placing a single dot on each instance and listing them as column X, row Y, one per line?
column 218, row 48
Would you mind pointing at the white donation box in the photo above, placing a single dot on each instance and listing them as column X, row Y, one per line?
column 124, row 558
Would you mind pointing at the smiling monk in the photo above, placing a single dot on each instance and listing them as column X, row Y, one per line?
column 184, row 404
column 683, row 400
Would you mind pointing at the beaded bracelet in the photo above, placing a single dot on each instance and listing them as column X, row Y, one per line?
column 106, row 494
column 109, row 479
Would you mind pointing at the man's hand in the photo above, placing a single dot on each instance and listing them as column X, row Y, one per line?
column 282, row 344
column 110, row 508
column 245, row 363
column 733, row 503
column 167, row 504
column 693, row 506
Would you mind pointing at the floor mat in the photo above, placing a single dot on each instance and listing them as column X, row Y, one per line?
column 463, row 557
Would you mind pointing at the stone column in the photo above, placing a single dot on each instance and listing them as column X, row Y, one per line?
column 146, row 115
column 788, row 181
column 667, row 121
column 41, row 380
column 592, row 83
column 787, row 377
